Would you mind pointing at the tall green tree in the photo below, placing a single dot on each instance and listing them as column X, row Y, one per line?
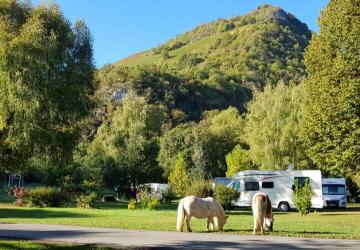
column 272, row 127
column 125, row 148
column 179, row 179
column 46, row 82
column 237, row 160
column 331, row 121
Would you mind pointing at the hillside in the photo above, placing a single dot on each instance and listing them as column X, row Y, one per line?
column 215, row 65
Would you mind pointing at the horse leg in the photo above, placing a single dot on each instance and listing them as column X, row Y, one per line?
column 261, row 225
column 208, row 224
column 188, row 218
column 255, row 225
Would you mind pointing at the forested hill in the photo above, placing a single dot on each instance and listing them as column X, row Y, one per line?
column 215, row 65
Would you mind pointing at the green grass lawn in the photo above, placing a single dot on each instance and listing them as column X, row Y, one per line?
column 33, row 245
column 336, row 223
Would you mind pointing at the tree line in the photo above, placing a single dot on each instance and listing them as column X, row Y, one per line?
column 57, row 120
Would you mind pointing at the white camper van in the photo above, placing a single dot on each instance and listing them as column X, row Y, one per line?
column 334, row 192
column 278, row 184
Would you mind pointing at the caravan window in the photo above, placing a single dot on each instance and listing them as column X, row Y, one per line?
column 268, row 184
column 236, row 185
column 302, row 181
column 252, row 186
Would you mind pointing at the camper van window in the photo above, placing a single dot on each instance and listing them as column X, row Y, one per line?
column 301, row 181
column 333, row 189
column 252, row 186
column 268, row 184
column 236, row 185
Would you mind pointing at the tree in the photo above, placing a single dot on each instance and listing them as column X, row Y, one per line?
column 46, row 83
column 237, row 160
column 331, row 120
column 179, row 179
column 126, row 148
column 272, row 127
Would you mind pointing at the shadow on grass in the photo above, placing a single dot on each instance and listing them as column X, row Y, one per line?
column 307, row 233
column 34, row 245
column 124, row 205
column 38, row 213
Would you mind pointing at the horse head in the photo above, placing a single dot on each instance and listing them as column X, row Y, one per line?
column 269, row 222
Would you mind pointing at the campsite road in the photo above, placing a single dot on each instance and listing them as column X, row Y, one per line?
column 164, row 240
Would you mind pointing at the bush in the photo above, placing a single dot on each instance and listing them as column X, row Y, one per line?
column 145, row 198
column 179, row 178
column 153, row 203
column 45, row 197
column 225, row 195
column 132, row 204
column 86, row 201
column 199, row 188
column 302, row 197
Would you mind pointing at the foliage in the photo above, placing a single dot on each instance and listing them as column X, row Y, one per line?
column 302, row 197
column 272, row 126
column 145, row 198
column 264, row 45
column 46, row 83
column 179, row 178
column 45, row 197
column 199, row 187
column 125, row 149
column 132, row 204
column 175, row 141
column 153, row 203
column 86, row 200
column 331, row 120
column 225, row 196
column 237, row 160
column 203, row 145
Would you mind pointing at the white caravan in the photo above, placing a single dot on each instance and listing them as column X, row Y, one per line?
column 334, row 192
column 278, row 184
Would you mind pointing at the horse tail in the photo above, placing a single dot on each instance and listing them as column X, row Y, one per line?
column 259, row 204
column 180, row 216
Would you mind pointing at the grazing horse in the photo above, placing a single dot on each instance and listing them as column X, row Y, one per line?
column 262, row 212
column 201, row 208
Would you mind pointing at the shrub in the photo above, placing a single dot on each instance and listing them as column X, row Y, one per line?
column 302, row 197
column 132, row 204
column 45, row 197
column 153, row 203
column 199, row 188
column 86, row 201
column 19, row 194
column 179, row 178
column 225, row 195
column 145, row 198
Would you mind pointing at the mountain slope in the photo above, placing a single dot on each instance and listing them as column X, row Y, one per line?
column 216, row 65
column 264, row 45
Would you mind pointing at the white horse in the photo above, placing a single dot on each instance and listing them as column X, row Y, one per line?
column 262, row 212
column 201, row 208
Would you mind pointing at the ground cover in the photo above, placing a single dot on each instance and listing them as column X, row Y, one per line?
column 334, row 223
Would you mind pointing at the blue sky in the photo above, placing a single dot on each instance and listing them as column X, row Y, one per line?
column 123, row 27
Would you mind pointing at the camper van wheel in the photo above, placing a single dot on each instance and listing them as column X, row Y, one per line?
column 284, row 206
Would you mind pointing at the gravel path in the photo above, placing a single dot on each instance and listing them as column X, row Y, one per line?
column 165, row 240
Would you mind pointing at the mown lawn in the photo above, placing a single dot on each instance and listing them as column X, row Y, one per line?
column 335, row 223
column 32, row 245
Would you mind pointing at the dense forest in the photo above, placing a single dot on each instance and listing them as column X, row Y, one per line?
column 258, row 91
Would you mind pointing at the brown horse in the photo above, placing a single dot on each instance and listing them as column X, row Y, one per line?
column 262, row 212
